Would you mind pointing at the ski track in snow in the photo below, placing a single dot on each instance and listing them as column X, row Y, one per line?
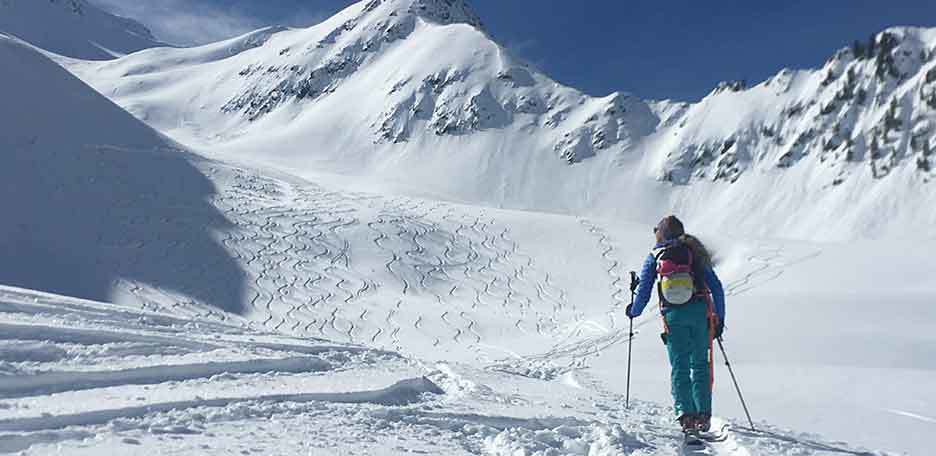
column 300, row 246
column 585, row 338
column 767, row 264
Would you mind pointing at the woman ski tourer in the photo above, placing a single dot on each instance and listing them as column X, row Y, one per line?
column 692, row 303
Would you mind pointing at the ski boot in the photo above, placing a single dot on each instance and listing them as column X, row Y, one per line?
column 690, row 429
column 688, row 422
column 704, row 422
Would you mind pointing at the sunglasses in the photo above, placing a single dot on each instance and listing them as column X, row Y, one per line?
column 655, row 229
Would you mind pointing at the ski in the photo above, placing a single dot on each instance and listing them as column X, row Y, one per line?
column 715, row 435
column 692, row 439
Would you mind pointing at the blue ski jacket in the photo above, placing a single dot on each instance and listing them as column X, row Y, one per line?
column 648, row 276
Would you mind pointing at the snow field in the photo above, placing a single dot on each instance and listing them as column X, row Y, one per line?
column 170, row 376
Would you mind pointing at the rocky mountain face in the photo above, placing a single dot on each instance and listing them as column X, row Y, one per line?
column 870, row 109
column 73, row 28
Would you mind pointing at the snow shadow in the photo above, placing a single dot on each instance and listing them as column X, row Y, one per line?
column 90, row 196
column 79, row 221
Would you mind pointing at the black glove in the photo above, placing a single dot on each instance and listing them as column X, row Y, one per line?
column 635, row 281
column 627, row 311
column 719, row 329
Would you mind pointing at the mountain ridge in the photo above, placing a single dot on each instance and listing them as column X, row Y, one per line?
column 834, row 95
column 74, row 28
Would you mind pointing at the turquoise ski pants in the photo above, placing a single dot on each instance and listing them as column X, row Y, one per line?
column 688, row 346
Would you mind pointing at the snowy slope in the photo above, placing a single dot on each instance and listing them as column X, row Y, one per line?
column 414, row 95
column 74, row 28
column 90, row 378
column 527, row 349
column 83, row 177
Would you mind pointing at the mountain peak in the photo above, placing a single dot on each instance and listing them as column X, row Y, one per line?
column 446, row 11
column 75, row 6
column 439, row 11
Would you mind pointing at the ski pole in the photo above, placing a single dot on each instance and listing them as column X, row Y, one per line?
column 630, row 344
column 735, row 380
column 630, row 338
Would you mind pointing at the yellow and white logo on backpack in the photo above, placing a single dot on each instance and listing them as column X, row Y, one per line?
column 677, row 288
column 674, row 266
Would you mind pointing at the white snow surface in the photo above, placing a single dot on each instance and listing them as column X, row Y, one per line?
column 74, row 28
column 229, row 290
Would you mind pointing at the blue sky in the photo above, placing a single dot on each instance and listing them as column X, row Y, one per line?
column 676, row 49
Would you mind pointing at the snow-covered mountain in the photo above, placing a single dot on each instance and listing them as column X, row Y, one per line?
column 74, row 28
column 871, row 106
column 391, row 72
column 849, row 145
column 415, row 92
column 412, row 89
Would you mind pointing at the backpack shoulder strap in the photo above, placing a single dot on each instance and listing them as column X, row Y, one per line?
column 657, row 253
